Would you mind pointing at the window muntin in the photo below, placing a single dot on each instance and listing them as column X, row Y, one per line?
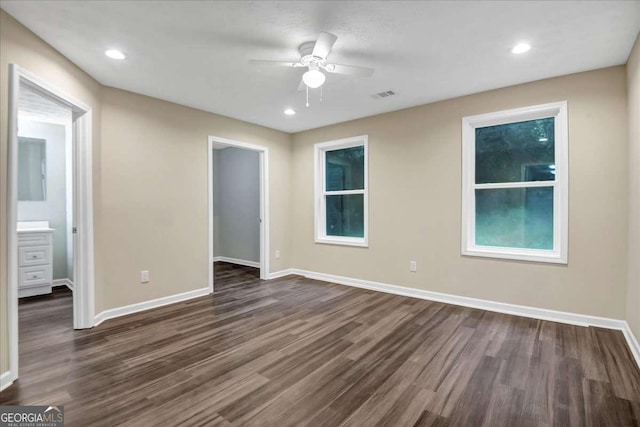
column 341, row 192
column 515, row 184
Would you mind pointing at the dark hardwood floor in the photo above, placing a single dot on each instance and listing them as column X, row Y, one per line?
column 300, row 352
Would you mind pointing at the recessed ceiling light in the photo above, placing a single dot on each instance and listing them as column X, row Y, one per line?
column 289, row 111
column 521, row 48
column 115, row 54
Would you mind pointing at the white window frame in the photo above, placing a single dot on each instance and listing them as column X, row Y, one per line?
column 557, row 110
column 320, row 150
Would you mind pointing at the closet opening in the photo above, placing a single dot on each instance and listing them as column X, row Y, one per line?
column 237, row 213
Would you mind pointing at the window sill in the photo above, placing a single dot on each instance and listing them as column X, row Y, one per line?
column 532, row 255
column 344, row 241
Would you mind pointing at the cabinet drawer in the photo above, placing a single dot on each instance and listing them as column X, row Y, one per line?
column 29, row 276
column 34, row 255
column 34, row 239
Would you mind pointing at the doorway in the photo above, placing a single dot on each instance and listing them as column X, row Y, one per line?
column 45, row 196
column 238, row 209
column 49, row 185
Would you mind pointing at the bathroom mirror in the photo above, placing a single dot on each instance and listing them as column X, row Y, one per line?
column 32, row 169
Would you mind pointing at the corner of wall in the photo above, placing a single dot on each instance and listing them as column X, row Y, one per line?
column 633, row 100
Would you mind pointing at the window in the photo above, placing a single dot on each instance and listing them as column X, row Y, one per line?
column 515, row 184
column 342, row 196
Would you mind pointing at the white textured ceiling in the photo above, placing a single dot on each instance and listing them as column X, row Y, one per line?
column 196, row 53
column 33, row 106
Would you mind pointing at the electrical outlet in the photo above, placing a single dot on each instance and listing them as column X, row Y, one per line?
column 413, row 266
column 277, row 253
column 144, row 276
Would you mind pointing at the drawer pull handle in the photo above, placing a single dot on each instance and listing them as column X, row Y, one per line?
column 34, row 256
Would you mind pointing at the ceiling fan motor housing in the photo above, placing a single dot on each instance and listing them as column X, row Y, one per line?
column 306, row 58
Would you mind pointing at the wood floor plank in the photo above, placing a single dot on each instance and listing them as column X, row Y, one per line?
column 471, row 408
column 408, row 408
column 429, row 419
column 505, row 407
column 616, row 357
column 569, row 405
column 306, row 397
column 538, row 396
column 300, row 352
column 602, row 407
column 383, row 399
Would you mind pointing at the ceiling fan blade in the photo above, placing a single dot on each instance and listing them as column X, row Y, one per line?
column 275, row 63
column 349, row 70
column 323, row 45
column 302, row 86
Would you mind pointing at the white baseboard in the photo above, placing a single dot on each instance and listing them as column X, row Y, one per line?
column 633, row 343
column 6, row 379
column 147, row 305
column 281, row 273
column 237, row 261
column 63, row 282
column 500, row 307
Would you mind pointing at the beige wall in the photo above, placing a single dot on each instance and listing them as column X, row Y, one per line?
column 150, row 181
column 154, row 203
column 415, row 200
column 633, row 296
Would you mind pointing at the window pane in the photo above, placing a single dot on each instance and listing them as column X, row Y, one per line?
column 345, row 215
column 345, row 169
column 515, row 152
column 515, row 217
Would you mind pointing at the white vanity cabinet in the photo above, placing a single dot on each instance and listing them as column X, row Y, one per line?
column 35, row 247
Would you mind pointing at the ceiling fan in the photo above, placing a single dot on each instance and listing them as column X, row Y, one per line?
column 313, row 56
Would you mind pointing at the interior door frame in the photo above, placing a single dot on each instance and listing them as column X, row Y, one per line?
column 83, row 265
column 264, row 202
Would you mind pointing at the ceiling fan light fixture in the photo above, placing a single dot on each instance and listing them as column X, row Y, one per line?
column 313, row 78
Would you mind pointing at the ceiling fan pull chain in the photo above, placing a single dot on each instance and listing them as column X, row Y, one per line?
column 307, row 96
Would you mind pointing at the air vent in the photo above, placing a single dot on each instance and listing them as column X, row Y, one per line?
column 384, row 94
